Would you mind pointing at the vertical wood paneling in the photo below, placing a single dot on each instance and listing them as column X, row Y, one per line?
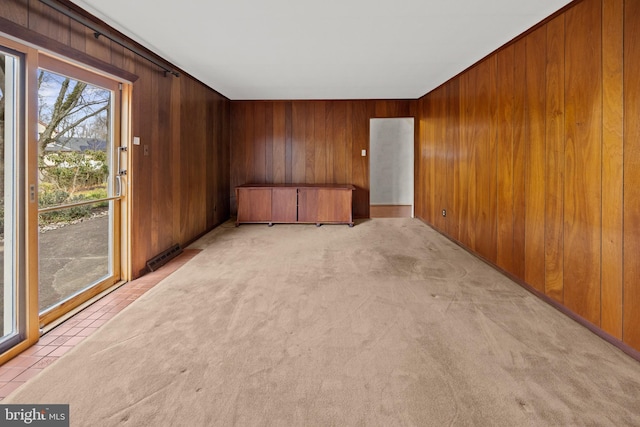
column 298, row 132
column 211, row 180
column 238, row 153
column 554, row 172
column 631, row 323
column 154, row 111
column 320, row 167
column 259, row 162
column 176, row 93
column 249, row 134
column 48, row 22
column 506, row 87
column 583, row 127
column 310, row 144
column 16, row 11
column 268, row 142
column 424, row 157
column 330, row 142
column 161, row 188
column 491, row 245
column 452, row 94
column 463, row 199
column 360, row 165
column 612, row 165
column 567, row 160
column 535, row 87
column 309, row 141
column 279, row 144
column 340, row 138
column 142, row 170
column 437, row 158
column 97, row 47
column 484, row 161
column 519, row 116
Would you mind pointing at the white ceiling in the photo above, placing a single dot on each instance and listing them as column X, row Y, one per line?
column 327, row 49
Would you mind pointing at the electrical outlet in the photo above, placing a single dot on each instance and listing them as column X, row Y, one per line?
column 444, row 212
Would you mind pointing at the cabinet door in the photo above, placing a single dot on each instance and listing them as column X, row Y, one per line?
column 308, row 205
column 254, row 205
column 324, row 205
column 284, row 205
column 334, row 205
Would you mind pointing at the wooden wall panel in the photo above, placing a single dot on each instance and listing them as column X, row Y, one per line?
column 438, row 146
column 320, row 148
column 322, row 142
column 48, row 22
column 583, row 159
column 423, row 158
column 257, row 134
column 519, row 120
column 331, row 146
column 298, row 135
column 360, row 165
column 464, row 198
column 181, row 189
column 279, row 143
column 504, row 169
column 339, row 135
column 490, row 212
column 560, row 102
column 534, row 152
column 554, row 172
column 16, row 11
column 612, row 165
column 452, row 100
column 161, row 188
column 631, row 323
column 484, row 160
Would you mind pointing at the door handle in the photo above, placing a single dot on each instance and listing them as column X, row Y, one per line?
column 119, row 171
column 118, row 186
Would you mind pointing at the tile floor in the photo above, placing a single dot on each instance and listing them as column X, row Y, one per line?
column 68, row 334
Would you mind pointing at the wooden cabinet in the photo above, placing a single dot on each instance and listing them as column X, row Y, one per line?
column 284, row 201
column 254, row 205
column 290, row 203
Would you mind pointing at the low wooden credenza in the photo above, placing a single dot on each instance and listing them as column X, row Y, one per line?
column 295, row 203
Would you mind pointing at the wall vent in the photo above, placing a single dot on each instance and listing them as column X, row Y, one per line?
column 164, row 257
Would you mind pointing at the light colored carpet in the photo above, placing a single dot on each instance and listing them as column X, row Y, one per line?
column 387, row 323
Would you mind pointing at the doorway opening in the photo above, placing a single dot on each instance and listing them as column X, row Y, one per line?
column 391, row 160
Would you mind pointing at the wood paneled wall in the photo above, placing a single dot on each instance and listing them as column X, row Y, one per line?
column 312, row 142
column 181, row 189
column 534, row 152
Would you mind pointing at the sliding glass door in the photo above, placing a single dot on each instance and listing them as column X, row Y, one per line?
column 80, row 175
column 12, row 306
column 62, row 189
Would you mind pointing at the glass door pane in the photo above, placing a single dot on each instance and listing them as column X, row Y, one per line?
column 10, row 300
column 77, row 205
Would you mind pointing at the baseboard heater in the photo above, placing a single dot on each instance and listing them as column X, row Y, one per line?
column 164, row 257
